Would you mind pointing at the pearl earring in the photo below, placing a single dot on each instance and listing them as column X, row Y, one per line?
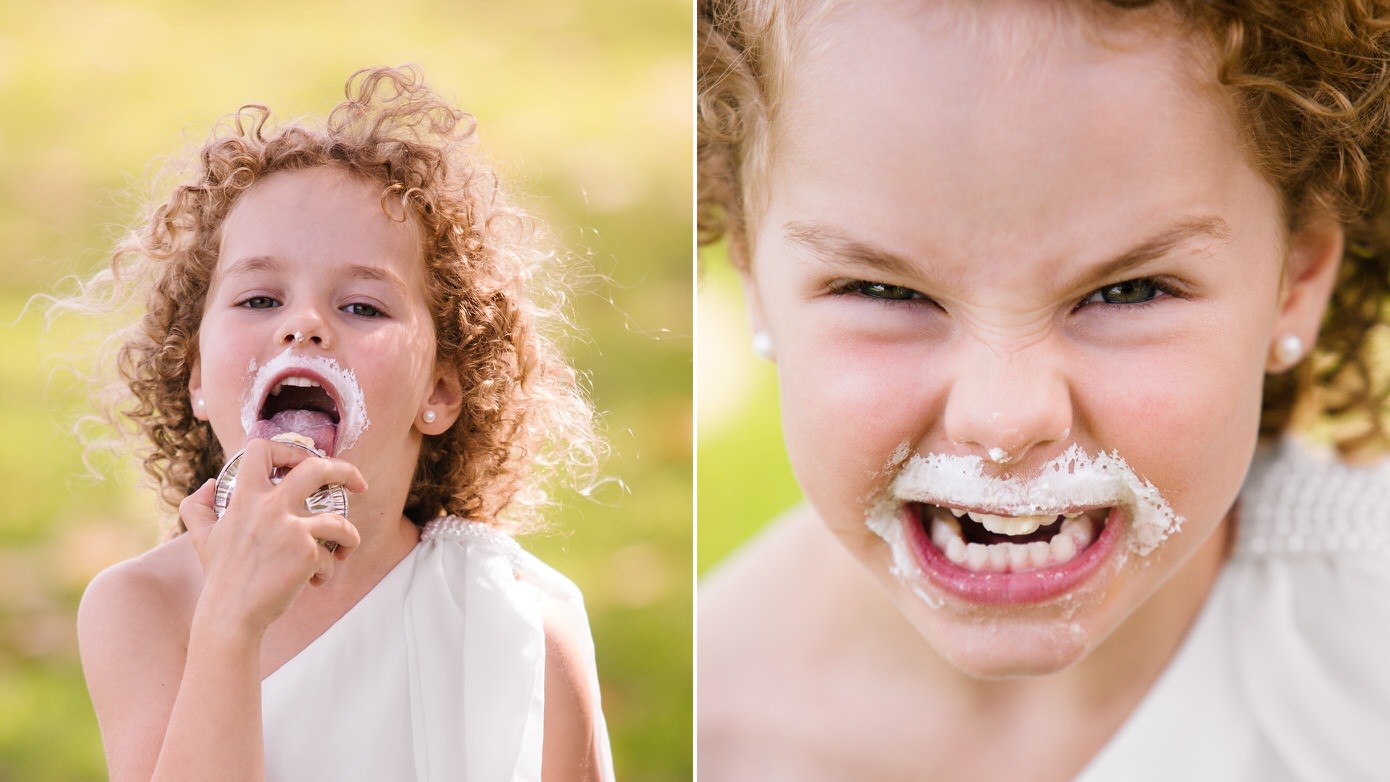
column 199, row 403
column 429, row 416
column 1288, row 350
column 762, row 345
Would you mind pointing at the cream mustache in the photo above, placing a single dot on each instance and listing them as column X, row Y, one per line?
column 353, row 413
column 1071, row 481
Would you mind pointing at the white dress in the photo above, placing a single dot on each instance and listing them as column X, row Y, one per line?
column 1286, row 673
column 436, row 674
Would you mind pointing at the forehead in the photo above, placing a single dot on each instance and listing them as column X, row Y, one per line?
column 1000, row 126
column 321, row 216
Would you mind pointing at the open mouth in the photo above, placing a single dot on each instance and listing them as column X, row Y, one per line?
column 299, row 402
column 988, row 543
column 999, row 558
column 954, row 529
column 312, row 396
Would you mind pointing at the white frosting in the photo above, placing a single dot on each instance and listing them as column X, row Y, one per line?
column 352, row 405
column 1071, row 481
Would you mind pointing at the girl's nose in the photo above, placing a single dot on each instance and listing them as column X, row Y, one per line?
column 305, row 328
column 1002, row 405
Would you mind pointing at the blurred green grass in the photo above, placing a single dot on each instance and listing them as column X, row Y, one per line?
column 743, row 479
column 585, row 109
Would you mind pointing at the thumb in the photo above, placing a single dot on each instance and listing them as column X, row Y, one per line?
column 196, row 509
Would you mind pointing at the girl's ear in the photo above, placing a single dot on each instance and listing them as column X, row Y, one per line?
column 762, row 341
column 441, row 408
column 1315, row 254
column 195, row 391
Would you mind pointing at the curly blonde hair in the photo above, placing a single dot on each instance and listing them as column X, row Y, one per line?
column 525, row 417
column 1310, row 83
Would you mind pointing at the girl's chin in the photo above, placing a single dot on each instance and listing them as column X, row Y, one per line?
column 1002, row 647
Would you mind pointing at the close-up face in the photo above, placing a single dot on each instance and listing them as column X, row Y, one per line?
column 316, row 321
column 996, row 237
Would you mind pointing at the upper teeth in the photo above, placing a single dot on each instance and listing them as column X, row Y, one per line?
column 1077, row 532
column 1012, row 525
column 298, row 382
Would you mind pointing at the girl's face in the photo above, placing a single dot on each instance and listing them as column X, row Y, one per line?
column 317, row 303
column 993, row 230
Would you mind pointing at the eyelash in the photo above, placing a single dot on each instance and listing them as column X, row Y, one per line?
column 894, row 294
column 268, row 302
column 877, row 291
column 1159, row 290
column 377, row 312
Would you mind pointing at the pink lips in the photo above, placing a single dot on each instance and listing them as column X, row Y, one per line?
column 1033, row 586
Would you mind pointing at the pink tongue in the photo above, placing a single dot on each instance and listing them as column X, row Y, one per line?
column 313, row 424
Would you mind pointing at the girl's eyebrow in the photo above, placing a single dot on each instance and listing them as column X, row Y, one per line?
column 1157, row 246
column 358, row 271
column 252, row 265
column 833, row 247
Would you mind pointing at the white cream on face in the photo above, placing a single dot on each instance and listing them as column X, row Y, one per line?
column 1071, row 481
column 352, row 410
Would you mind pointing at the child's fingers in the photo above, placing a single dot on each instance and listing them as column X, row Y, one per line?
column 196, row 509
column 312, row 473
column 303, row 472
column 261, row 457
column 332, row 528
column 336, row 538
column 269, row 454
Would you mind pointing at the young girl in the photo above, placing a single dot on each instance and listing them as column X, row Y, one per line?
column 1043, row 283
column 362, row 286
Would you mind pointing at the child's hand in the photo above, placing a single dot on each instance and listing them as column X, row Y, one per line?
column 268, row 545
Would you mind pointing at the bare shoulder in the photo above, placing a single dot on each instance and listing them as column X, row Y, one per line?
column 132, row 628
column 776, row 623
column 759, row 606
column 160, row 585
column 573, row 746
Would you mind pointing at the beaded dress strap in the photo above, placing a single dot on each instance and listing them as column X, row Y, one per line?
column 1298, row 500
column 452, row 528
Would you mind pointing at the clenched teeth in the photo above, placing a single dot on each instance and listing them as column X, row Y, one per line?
column 1013, row 526
column 1075, row 535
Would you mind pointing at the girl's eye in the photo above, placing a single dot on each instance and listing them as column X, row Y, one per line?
column 878, row 290
column 1128, row 292
column 259, row 303
column 363, row 310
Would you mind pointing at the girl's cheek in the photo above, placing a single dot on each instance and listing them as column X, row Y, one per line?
column 844, row 412
column 1187, row 428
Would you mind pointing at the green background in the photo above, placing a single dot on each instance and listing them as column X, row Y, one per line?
column 744, row 480
column 586, row 110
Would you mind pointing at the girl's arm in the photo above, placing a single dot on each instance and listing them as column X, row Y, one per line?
column 183, row 702
column 572, row 751
column 174, row 701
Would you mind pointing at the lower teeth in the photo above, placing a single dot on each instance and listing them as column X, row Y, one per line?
column 1074, row 536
